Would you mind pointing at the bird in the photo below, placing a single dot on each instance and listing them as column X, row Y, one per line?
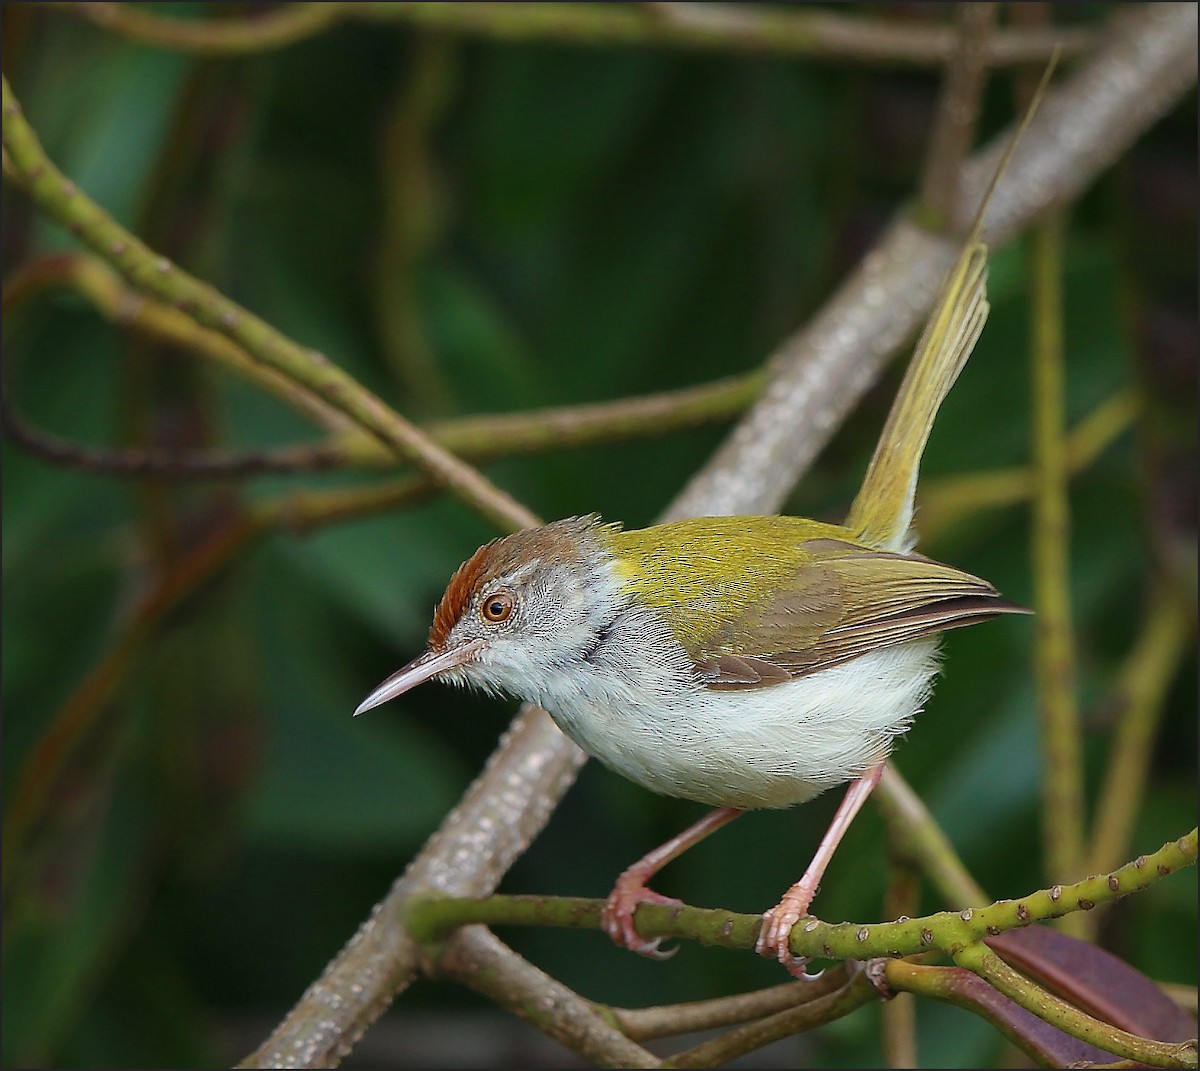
column 742, row 662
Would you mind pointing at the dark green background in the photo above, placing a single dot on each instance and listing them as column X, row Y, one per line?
column 600, row 223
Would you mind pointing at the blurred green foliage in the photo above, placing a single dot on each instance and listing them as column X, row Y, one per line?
column 593, row 224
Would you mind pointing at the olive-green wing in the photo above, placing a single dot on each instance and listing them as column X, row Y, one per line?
column 847, row 601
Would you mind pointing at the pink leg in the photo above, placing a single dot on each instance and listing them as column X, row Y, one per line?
column 631, row 890
column 778, row 922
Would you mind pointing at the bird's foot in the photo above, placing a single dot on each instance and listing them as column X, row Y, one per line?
column 774, row 939
column 617, row 916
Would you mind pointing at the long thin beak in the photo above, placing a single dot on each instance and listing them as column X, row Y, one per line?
column 419, row 670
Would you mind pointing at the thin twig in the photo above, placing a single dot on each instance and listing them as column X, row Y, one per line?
column 129, row 308
column 285, row 25
column 822, row 35
column 958, row 110
column 161, row 463
column 411, row 215
column 965, row 989
column 901, row 899
column 643, row 1024
column 479, row 437
column 719, row 1051
column 944, row 500
column 480, row 960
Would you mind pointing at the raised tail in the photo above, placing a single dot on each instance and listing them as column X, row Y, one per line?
column 882, row 512
column 883, row 508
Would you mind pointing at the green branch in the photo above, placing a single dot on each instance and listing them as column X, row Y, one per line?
column 431, row 919
column 1054, row 651
column 62, row 200
column 961, row 935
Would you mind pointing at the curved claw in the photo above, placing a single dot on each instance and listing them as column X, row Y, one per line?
column 774, row 939
column 617, row 919
column 651, row 949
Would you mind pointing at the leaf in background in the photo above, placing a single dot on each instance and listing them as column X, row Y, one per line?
column 331, row 782
column 1096, row 981
column 1049, row 1045
column 61, row 946
column 103, row 124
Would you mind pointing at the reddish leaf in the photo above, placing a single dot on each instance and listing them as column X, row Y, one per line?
column 1045, row 1043
column 1101, row 984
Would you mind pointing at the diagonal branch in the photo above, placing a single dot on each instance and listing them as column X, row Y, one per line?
column 64, row 202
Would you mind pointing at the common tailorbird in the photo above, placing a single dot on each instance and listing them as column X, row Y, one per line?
column 742, row 662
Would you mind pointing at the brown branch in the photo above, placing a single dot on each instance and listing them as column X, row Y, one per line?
column 642, row 1024
column 483, row 437
column 820, row 35
column 958, row 110
column 164, row 464
column 718, row 1051
column 478, row 959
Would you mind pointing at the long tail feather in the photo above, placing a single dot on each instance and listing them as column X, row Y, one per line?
column 882, row 511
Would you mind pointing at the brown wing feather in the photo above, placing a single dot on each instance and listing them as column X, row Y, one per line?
column 847, row 601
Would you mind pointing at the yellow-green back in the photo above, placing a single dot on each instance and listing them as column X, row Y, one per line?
column 700, row 573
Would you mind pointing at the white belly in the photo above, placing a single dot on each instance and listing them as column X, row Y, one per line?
column 756, row 747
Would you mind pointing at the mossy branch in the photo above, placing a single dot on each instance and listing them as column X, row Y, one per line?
column 430, row 919
column 960, row 935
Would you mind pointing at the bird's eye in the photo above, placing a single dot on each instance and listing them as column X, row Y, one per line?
column 498, row 607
